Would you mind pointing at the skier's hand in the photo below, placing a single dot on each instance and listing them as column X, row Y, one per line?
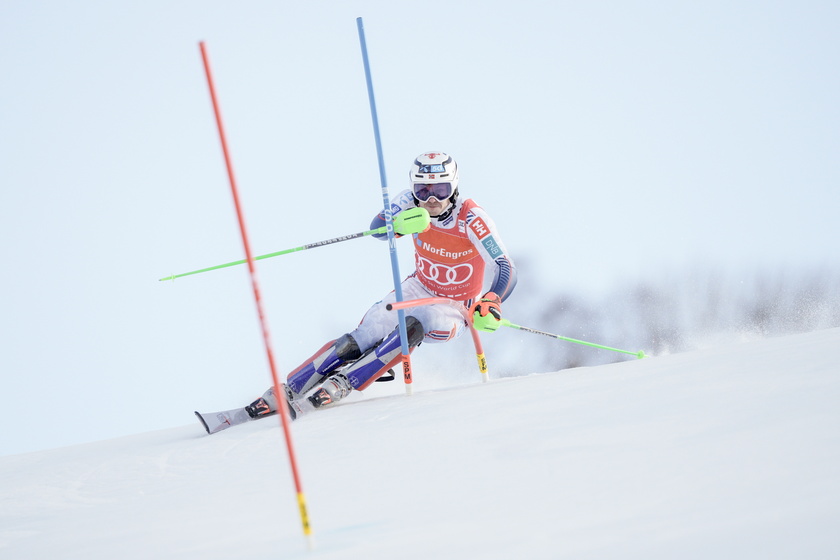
column 487, row 313
column 413, row 220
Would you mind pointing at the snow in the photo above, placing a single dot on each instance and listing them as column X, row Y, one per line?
column 726, row 452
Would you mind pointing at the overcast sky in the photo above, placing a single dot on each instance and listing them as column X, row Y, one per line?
column 610, row 141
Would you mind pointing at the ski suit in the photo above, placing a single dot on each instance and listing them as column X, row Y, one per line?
column 452, row 259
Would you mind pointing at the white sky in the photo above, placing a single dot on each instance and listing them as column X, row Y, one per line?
column 609, row 140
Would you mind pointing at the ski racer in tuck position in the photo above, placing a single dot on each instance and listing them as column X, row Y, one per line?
column 451, row 258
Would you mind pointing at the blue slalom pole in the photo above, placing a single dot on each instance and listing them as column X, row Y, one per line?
column 386, row 201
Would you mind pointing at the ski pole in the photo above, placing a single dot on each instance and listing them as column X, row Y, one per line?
column 639, row 354
column 412, row 220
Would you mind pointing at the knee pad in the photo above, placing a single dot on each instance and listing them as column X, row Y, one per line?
column 414, row 330
column 347, row 349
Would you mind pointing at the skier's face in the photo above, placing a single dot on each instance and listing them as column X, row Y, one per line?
column 434, row 206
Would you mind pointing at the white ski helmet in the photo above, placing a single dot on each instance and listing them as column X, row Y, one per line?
column 434, row 168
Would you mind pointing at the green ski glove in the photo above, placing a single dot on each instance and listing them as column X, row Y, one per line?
column 413, row 220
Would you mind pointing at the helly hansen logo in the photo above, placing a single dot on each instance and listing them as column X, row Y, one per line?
column 480, row 228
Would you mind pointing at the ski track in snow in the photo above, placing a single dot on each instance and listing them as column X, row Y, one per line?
column 727, row 452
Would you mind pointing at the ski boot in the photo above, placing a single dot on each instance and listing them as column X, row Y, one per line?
column 333, row 390
column 267, row 404
column 259, row 407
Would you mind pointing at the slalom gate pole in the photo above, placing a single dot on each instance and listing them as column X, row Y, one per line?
column 479, row 349
column 386, row 202
column 640, row 354
column 411, row 218
column 284, row 415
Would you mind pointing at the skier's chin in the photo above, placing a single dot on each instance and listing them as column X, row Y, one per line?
column 435, row 210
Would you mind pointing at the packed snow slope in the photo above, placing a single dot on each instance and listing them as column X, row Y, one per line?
column 728, row 452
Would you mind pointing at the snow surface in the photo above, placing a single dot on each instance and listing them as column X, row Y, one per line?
column 727, row 452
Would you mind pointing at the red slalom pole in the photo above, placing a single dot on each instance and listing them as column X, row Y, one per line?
column 285, row 421
column 479, row 349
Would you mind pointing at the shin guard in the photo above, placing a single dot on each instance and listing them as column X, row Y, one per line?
column 330, row 357
column 383, row 356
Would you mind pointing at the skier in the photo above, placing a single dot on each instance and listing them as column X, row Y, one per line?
column 450, row 260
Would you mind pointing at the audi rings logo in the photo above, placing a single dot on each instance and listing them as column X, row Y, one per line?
column 444, row 275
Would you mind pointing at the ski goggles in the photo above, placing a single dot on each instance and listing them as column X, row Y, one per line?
column 425, row 191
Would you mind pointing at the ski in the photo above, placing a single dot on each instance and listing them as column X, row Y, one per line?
column 215, row 422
